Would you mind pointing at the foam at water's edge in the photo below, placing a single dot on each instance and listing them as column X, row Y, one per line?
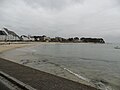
column 102, row 85
column 71, row 72
column 79, row 76
column 98, row 85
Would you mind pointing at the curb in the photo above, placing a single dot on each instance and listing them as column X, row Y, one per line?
column 16, row 82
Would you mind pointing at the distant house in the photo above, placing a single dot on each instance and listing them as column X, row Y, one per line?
column 76, row 39
column 3, row 35
column 7, row 35
column 41, row 38
column 57, row 39
column 47, row 39
column 26, row 38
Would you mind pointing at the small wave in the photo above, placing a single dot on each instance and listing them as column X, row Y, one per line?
column 102, row 85
column 71, row 72
column 98, row 60
column 77, row 75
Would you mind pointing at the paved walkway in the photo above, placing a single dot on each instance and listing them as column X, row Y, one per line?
column 38, row 79
column 3, row 87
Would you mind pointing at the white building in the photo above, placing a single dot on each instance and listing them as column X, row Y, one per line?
column 7, row 35
column 27, row 38
column 3, row 35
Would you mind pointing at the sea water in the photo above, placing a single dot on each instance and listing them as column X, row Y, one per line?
column 98, row 64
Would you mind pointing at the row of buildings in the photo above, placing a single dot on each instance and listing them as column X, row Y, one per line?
column 8, row 35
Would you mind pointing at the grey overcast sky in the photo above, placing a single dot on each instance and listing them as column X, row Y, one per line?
column 66, row 18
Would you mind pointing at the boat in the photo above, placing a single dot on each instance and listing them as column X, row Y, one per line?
column 117, row 47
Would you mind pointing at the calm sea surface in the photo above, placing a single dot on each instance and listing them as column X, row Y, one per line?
column 97, row 63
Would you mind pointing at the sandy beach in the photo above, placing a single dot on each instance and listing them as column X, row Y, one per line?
column 5, row 46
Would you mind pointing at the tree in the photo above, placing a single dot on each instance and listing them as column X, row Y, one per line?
column 76, row 39
column 70, row 39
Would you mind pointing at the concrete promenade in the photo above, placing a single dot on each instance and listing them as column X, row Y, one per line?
column 38, row 79
column 3, row 87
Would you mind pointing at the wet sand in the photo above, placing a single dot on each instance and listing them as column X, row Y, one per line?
column 5, row 46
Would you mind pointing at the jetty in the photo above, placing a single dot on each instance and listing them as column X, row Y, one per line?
column 31, row 79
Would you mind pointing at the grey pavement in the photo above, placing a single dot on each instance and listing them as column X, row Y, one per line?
column 3, row 86
column 39, row 79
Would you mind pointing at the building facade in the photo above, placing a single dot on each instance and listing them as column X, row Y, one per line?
column 7, row 35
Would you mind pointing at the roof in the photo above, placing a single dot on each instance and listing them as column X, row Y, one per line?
column 10, row 32
column 2, row 32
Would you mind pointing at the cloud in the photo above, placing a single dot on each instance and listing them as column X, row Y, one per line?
column 52, row 4
column 67, row 18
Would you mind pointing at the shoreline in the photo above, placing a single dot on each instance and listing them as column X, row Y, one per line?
column 34, row 44
column 12, row 46
column 6, row 46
